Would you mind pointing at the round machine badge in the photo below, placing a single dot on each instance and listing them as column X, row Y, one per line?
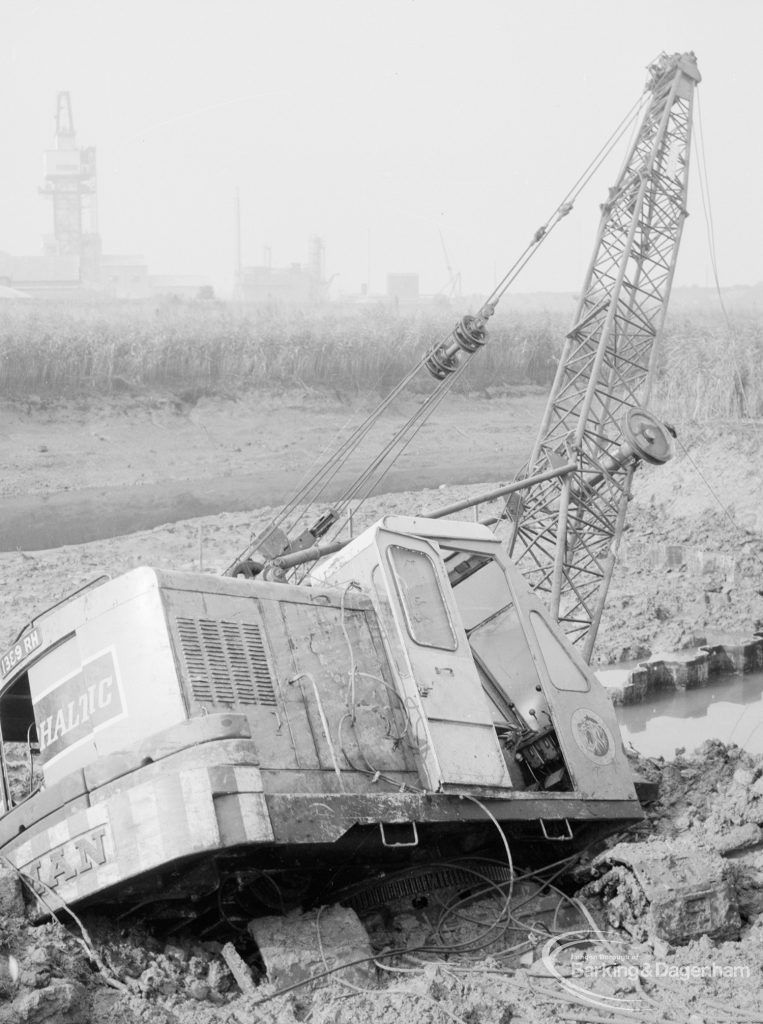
column 593, row 736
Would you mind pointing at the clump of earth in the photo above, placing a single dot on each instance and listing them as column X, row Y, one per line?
column 691, row 563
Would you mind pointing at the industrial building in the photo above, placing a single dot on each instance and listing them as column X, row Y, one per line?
column 73, row 265
column 295, row 285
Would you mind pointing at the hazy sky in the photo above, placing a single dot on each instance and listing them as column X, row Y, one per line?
column 377, row 124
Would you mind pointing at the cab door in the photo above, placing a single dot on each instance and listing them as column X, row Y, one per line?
column 458, row 713
column 583, row 716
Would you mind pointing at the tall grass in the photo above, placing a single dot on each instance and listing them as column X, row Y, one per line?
column 212, row 345
column 708, row 370
column 703, row 371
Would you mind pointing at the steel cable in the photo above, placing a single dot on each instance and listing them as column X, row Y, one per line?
column 316, row 484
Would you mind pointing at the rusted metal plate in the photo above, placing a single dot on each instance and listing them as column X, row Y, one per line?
column 323, row 662
column 325, row 817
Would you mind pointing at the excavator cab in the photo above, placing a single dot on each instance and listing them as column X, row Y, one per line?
column 505, row 701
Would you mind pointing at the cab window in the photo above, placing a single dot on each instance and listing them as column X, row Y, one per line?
column 21, row 769
column 422, row 600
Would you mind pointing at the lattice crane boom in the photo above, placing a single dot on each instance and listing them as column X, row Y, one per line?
column 566, row 529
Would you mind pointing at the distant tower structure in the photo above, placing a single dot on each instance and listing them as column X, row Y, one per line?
column 69, row 178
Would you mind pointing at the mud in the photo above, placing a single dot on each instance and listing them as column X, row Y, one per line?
column 85, row 469
column 471, row 958
column 691, row 564
column 36, row 523
column 691, row 560
column 690, row 569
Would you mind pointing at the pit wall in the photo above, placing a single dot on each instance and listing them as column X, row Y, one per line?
column 682, row 671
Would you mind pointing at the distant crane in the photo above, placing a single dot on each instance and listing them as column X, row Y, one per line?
column 453, row 287
column 69, row 179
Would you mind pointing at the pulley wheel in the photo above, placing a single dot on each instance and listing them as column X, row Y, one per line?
column 649, row 438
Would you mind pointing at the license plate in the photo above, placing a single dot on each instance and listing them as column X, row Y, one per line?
column 23, row 647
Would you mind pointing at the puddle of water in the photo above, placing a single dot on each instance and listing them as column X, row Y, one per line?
column 729, row 708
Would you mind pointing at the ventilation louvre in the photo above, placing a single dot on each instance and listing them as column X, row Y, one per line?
column 225, row 662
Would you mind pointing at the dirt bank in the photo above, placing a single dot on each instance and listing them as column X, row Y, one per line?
column 31, row 581
column 83, row 469
column 691, row 562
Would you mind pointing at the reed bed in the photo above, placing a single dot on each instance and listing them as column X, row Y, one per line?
column 706, row 370
column 214, row 345
column 711, row 369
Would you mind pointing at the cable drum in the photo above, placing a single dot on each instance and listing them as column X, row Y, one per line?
column 650, row 439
